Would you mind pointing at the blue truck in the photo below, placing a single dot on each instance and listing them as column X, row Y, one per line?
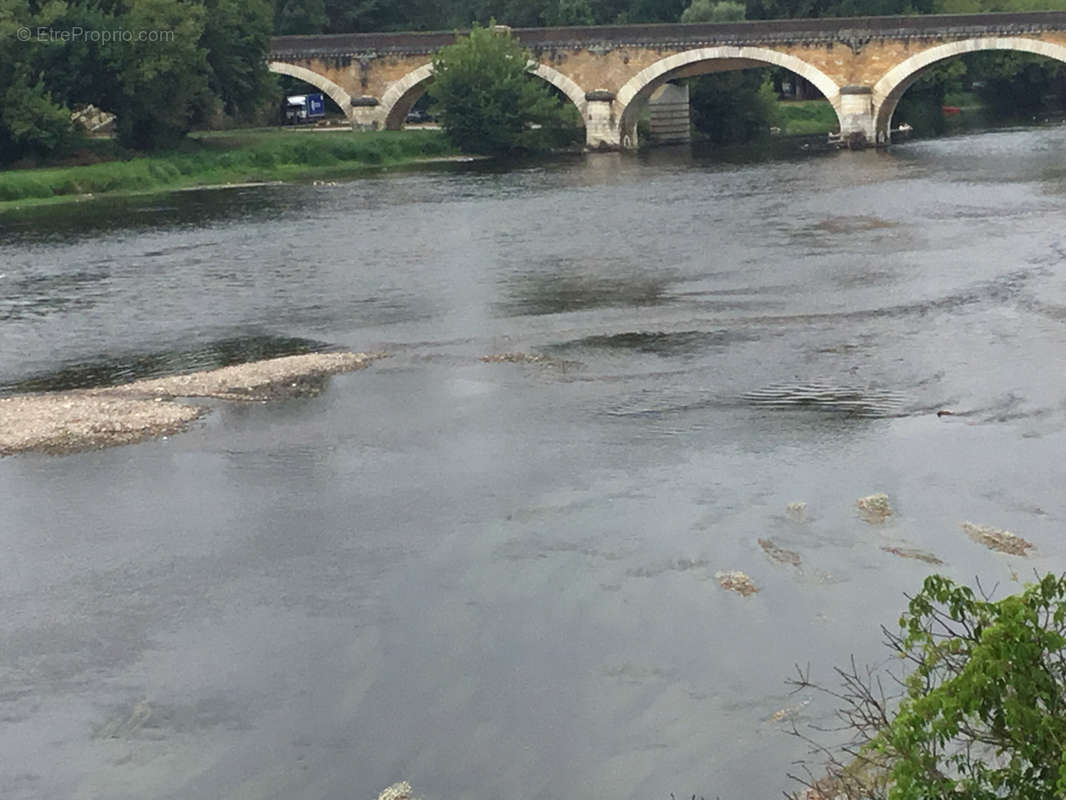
column 300, row 108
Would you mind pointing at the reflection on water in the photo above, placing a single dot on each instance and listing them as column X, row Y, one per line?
column 661, row 343
column 112, row 371
column 309, row 599
column 556, row 288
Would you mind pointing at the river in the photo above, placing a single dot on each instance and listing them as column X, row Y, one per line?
column 497, row 580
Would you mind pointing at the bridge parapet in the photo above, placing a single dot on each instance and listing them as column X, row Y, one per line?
column 822, row 31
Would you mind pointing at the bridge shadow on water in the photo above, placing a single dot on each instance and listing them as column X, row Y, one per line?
column 757, row 151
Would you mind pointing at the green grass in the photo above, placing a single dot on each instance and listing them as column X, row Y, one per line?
column 225, row 157
column 804, row 117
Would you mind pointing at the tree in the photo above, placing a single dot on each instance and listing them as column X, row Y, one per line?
column 982, row 710
column 714, row 11
column 485, row 97
column 33, row 123
column 299, row 16
column 732, row 107
column 163, row 84
column 237, row 37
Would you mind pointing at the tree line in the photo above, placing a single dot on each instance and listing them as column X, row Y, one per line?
column 211, row 70
column 162, row 67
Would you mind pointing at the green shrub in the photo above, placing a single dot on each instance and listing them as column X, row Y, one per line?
column 485, row 97
column 982, row 710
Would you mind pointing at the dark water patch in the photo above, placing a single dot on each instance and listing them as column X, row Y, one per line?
column 827, row 397
column 1005, row 289
column 189, row 210
column 660, row 343
column 115, row 370
column 178, row 248
column 554, row 292
column 30, row 296
column 767, row 149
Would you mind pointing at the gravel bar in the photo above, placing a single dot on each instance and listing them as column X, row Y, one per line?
column 66, row 422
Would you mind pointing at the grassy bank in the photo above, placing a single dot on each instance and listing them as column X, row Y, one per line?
column 805, row 117
column 221, row 158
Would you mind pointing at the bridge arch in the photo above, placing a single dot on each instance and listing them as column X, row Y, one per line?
column 888, row 91
column 678, row 65
column 335, row 92
column 402, row 94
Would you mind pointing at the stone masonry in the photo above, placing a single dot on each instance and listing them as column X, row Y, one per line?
column 862, row 65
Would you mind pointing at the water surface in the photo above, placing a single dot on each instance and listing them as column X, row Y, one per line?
column 496, row 580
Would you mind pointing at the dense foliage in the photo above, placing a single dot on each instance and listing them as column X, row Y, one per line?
column 161, row 66
column 983, row 708
column 485, row 98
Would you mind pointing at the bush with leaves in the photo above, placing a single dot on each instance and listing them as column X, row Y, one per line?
column 486, row 99
column 981, row 709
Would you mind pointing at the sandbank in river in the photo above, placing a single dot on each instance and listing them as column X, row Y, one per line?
column 66, row 422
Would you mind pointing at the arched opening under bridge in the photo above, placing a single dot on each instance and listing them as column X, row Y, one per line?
column 633, row 96
column 891, row 88
column 402, row 95
column 335, row 93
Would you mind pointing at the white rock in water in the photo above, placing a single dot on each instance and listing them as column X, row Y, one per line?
column 398, row 791
column 996, row 539
column 736, row 581
column 874, row 508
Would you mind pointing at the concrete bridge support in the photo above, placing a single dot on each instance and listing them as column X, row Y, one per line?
column 857, row 116
column 670, row 117
column 602, row 125
column 366, row 114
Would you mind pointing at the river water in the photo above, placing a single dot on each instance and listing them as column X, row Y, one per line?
column 497, row 580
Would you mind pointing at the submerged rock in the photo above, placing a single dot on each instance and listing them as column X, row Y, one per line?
column 797, row 512
column 917, row 555
column 124, row 727
column 779, row 554
column 874, row 509
column 514, row 358
column 789, row 712
column 996, row 539
column 736, row 581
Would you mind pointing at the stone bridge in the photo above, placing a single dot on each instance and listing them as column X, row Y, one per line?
column 862, row 65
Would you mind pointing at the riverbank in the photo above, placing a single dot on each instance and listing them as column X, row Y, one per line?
column 226, row 158
column 66, row 422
